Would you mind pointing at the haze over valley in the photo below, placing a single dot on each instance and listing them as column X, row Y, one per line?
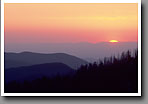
column 84, row 50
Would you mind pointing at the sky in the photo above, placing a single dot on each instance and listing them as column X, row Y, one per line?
column 70, row 23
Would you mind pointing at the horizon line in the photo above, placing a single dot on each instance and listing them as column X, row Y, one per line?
column 76, row 42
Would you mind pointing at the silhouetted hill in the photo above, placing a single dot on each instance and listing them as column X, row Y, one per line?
column 30, row 58
column 36, row 71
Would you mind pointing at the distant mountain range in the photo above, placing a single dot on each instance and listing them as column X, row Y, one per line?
column 30, row 65
column 84, row 50
column 33, row 72
column 13, row 60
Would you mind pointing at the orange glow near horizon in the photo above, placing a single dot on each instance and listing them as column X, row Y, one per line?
column 70, row 22
column 113, row 41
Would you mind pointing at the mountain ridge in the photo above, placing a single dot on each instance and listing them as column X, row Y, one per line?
column 39, row 58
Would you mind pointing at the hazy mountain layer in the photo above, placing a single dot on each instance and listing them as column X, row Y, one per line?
column 86, row 51
column 29, row 58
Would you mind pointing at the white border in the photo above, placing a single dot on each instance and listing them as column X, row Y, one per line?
column 71, row 94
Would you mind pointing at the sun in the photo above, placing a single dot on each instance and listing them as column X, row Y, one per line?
column 113, row 41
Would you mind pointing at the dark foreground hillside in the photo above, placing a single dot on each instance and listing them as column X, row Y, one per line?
column 29, row 73
column 112, row 75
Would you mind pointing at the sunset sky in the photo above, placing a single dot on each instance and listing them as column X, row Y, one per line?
column 70, row 23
